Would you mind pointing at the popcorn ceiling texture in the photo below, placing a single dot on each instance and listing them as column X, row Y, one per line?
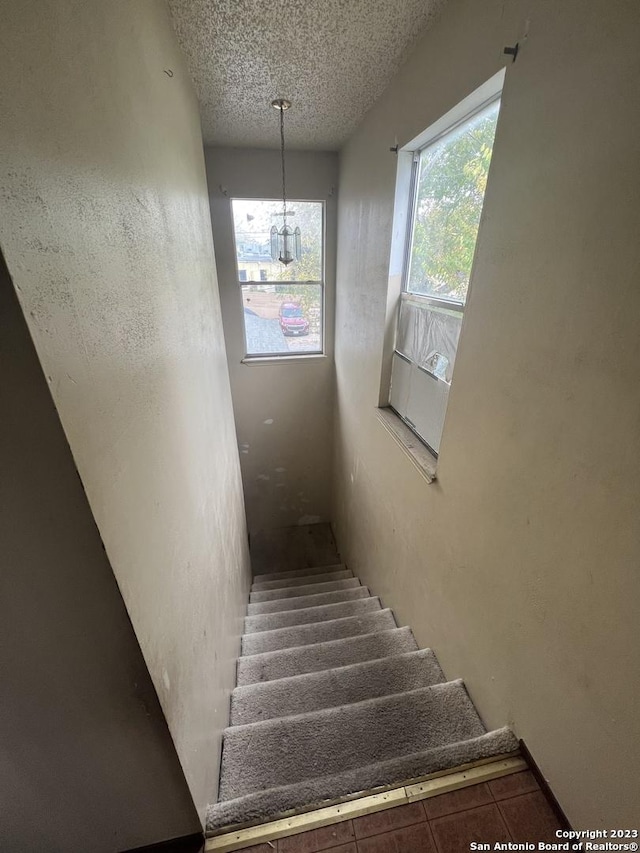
column 332, row 58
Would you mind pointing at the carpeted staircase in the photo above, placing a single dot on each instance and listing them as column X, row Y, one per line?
column 333, row 698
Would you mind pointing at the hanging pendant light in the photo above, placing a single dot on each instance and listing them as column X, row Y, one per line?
column 286, row 241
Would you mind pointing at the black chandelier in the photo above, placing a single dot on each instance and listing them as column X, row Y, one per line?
column 285, row 241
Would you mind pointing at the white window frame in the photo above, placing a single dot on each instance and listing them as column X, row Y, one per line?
column 404, row 214
column 290, row 355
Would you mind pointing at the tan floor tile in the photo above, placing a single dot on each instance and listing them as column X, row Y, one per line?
column 457, row 801
column 513, row 785
column 454, row 833
column 384, row 821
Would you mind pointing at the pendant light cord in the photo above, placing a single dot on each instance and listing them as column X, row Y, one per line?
column 284, row 184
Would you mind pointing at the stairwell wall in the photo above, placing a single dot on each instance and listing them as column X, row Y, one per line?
column 283, row 409
column 519, row 565
column 85, row 744
column 106, row 232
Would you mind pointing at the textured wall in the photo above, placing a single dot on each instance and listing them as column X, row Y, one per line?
column 520, row 565
column 283, row 411
column 87, row 759
column 106, row 231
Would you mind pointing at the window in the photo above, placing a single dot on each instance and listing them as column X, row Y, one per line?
column 283, row 305
column 449, row 178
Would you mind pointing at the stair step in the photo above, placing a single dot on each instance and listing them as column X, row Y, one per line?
column 305, row 601
column 305, row 580
column 310, row 589
column 298, row 573
column 332, row 687
column 335, row 740
column 287, row 662
column 318, row 632
column 261, row 806
column 307, row 615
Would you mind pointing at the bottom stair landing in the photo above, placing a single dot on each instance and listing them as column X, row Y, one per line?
column 332, row 821
column 333, row 698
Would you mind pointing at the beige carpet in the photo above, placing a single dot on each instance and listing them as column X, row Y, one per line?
column 332, row 699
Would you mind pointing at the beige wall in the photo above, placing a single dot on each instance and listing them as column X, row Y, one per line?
column 106, row 231
column 283, row 411
column 87, row 759
column 520, row 565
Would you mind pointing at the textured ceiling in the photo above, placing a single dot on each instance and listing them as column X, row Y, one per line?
column 332, row 58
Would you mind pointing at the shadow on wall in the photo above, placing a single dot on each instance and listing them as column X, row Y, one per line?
column 290, row 548
column 86, row 742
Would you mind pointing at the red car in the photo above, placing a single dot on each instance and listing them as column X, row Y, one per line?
column 292, row 320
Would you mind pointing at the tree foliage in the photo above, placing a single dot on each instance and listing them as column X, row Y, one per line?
column 253, row 220
column 451, row 186
column 308, row 217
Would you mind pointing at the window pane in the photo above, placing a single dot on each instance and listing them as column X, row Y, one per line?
column 428, row 335
column 281, row 319
column 452, row 178
column 252, row 222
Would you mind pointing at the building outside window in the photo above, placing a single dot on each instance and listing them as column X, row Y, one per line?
column 282, row 305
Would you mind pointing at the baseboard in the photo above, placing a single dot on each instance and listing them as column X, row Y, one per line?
column 236, row 838
column 544, row 785
column 185, row 844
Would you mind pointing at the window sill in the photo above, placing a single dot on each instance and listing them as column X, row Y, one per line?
column 279, row 359
column 414, row 449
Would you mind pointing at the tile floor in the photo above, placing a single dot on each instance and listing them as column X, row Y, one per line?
column 512, row 808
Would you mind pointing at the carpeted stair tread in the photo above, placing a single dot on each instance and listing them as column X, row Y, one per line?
column 299, row 573
column 331, row 687
column 334, row 740
column 333, row 699
column 317, row 632
column 296, row 591
column 303, row 659
column 307, row 615
column 304, row 601
column 265, row 805
column 305, row 580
